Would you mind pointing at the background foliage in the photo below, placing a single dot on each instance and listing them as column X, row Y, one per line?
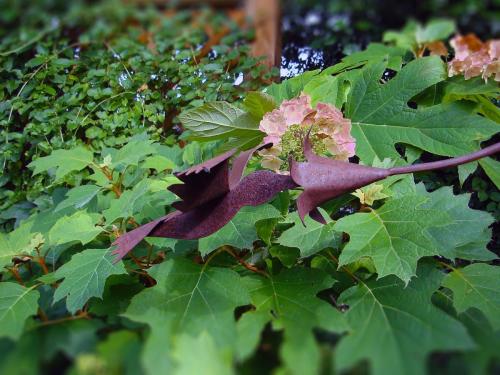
column 406, row 284
column 77, row 74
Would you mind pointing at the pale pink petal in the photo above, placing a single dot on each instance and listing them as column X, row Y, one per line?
column 296, row 110
column 473, row 58
column 274, row 125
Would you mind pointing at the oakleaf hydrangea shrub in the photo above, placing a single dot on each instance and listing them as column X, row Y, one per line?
column 398, row 275
column 96, row 75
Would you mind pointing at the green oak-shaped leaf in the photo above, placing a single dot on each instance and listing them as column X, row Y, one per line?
column 209, row 359
column 78, row 227
column 487, row 340
column 240, row 232
column 289, row 301
column 395, row 328
column 467, row 235
column 191, row 298
column 188, row 298
column 17, row 303
column 381, row 116
column 65, row 161
column 395, row 236
column 476, row 286
column 85, row 276
column 78, row 197
column 17, row 242
column 132, row 153
column 312, row 237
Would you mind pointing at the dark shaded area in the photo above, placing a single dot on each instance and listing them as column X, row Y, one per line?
column 317, row 34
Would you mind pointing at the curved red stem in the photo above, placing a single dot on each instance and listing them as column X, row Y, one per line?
column 453, row 162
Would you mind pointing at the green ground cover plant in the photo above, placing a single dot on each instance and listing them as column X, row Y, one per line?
column 96, row 75
column 399, row 280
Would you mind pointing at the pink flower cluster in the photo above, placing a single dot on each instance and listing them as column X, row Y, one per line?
column 475, row 58
column 334, row 129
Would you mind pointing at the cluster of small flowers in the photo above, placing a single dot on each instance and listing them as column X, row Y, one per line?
column 330, row 126
column 475, row 58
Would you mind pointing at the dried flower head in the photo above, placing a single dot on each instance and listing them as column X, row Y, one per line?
column 287, row 126
column 474, row 58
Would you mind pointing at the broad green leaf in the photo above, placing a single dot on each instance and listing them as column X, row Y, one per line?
column 381, row 116
column 78, row 197
column 78, row 227
column 64, row 161
column 121, row 353
column 17, row 304
column 258, row 104
column 240, row 232
column 130, row 202
column 467, row 235
column 438, row 29
column 476, row 286
column 190, row 298
column 158, row 162
column 132, row 153
column 312, row 237
column 492, row 169
column 85, row 276
column 288, row 256
column 248, row 331
column 291, row 87
column 327, row 89
column 486, row 338
column 465, row 170
column 219, row 120
column 209, row 359
column 289, row 300
column 395, row 236
column 17, row 242
column 395, row 328
column 375, row 52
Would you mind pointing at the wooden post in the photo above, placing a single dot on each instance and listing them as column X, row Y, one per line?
column 266, row 17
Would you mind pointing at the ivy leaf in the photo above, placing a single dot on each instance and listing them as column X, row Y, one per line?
column 476, row 286
column 240, row 232
column 191, row 298
column 395, row 236
column 467, row 235
column 395, row 328
column 65, row 161
column 78, row 197
column 312, row 237
column 78, row 227
column 17, row 303
column 381, row 116
column 289, row 300
column 219, row 120
column 85, row 276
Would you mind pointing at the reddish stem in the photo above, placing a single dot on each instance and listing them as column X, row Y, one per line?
column 453, row 162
